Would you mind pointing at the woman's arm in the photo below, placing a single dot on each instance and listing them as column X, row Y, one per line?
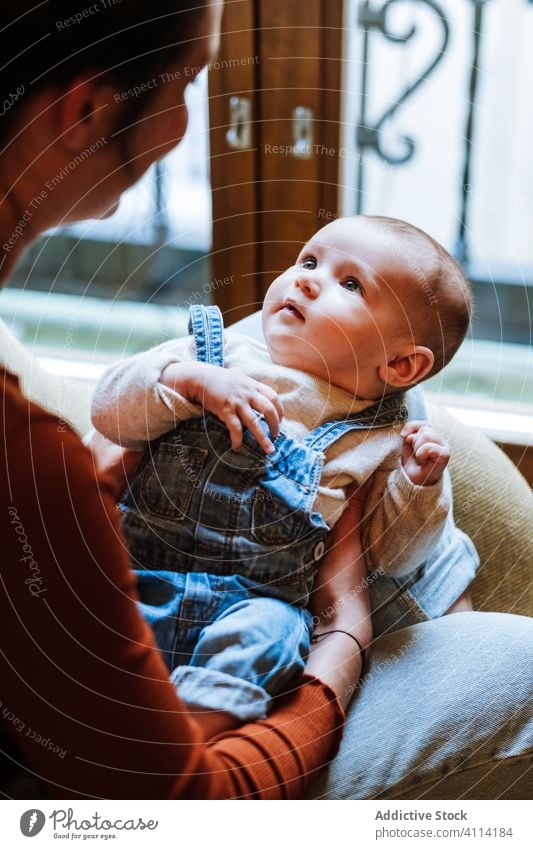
column 86, row 696
column 278, row 757
column 340, row 602
column 115, row 463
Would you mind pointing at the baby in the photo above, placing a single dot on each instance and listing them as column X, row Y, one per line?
column 251, row 448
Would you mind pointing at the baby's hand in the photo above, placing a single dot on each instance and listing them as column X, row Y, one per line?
column 236, row 399
column 425, row 453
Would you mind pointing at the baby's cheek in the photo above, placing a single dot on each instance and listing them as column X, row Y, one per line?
column 274, row 290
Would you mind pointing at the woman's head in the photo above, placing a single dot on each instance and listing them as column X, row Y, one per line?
column 99, row 84
column 48, row 44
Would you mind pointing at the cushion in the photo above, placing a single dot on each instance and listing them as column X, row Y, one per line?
column 493, row 504
column 69, row 399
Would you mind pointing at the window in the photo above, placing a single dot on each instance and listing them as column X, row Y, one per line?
column 344, row 63
column 437, row 118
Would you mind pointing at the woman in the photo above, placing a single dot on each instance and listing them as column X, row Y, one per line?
column 89, row 706
column 86, row 702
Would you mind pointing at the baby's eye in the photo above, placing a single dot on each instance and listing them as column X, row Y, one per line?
column 309, row 262
column 352, row 285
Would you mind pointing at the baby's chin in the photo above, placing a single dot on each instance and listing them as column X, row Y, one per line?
column 273, row 351
column 287, row 357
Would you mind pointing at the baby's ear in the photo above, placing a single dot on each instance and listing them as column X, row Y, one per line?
column 408, row 368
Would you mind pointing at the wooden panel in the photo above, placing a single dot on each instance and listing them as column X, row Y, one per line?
column 330, row 130
column 233, row 172
column 522, row 457
column 290, row 77
column 300, row 52
column 266, row 202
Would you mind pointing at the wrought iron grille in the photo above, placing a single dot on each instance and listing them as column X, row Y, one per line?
column 378, row 138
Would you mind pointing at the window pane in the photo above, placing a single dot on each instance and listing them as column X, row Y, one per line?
column 429, row 188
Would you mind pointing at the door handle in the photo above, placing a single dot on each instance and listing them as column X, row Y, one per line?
column 239, row 135
column 302, row 132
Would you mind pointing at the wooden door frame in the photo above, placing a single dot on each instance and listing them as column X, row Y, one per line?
column 233, row 172
column 253, row 235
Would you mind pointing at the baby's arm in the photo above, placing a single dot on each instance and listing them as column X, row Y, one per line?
column 407, row 507
column 142, row 397
column 130, row 405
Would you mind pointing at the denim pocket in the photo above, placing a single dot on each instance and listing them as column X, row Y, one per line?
column 170, row 478
column 274, row 522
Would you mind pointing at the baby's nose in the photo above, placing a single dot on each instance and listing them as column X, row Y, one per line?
column 309, row 284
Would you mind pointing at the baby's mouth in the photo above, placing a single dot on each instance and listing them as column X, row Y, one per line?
column 293, row 310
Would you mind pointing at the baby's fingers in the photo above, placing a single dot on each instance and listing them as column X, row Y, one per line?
column 413, row 427
column 252, row 422
column 425, row 435
column 429, row 438
column 432, row 452
column 270, row 412
column 273, row 397
column 233, row 424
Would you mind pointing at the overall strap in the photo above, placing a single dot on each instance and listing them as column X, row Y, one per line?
column 389, row 411
column 207, row 325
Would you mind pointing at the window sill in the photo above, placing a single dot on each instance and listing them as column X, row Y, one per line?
column 500, row 425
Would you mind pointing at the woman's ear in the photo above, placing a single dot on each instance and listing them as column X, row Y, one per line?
column 408, row 368
column 83, row 112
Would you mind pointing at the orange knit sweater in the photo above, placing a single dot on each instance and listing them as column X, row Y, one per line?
column 86, row 699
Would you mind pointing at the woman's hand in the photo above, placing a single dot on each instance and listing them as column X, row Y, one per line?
column 112, row 460
column 340, row 602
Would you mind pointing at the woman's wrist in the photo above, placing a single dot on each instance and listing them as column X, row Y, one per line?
column 337, row 662
column 321, row 635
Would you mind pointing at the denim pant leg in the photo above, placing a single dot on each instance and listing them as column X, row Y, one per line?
column 162, row 593
column 444, row 712
column 430, row 591
column 247, row 655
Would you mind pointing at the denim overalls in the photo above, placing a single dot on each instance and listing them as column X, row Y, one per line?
column 226, row 546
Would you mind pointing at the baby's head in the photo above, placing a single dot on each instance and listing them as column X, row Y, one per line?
column 373, row 305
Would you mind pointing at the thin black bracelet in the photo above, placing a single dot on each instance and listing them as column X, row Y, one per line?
column 317, row 637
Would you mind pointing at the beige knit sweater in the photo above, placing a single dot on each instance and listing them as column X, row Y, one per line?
column 402, row 521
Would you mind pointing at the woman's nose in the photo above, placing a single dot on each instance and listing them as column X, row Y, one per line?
column 309, row 284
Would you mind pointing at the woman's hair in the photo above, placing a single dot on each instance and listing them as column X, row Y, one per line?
column 46, row 42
